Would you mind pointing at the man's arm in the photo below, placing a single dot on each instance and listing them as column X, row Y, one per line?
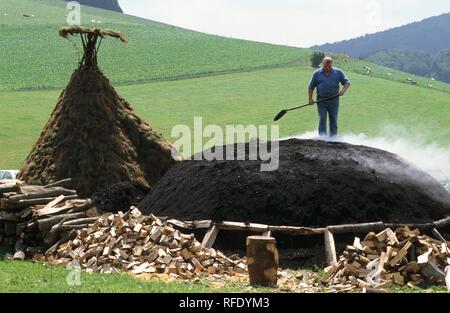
column 345, row 82
column 310, row 96
column 312, row 86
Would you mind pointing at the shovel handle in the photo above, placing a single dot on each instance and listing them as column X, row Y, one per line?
column 315, row 102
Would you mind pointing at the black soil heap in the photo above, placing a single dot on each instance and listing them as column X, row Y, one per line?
column 119, row 197
column 93, row 135
column 317, row 184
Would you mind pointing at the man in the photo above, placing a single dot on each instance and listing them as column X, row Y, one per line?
column 327, row 80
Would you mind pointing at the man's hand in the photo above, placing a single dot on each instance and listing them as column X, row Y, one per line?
column 344, row 90
column 311, row 101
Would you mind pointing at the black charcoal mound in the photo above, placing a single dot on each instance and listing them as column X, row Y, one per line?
column 317, row 183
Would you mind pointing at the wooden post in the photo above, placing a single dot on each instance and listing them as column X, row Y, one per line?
column 210, row 237
column 330, row 248
column 263, row 261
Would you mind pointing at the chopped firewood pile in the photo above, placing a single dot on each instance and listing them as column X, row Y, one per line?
column 36, row 217
column 49, row 223
column 141, row 244
column 400, row 257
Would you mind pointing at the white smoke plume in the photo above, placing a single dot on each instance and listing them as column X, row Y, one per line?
column 430, row 157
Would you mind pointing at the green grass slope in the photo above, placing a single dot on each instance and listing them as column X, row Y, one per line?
column 34, row 56
column 242, row 98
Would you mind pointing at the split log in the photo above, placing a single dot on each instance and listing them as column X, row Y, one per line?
column 10, row 229
column 47, row 223
column 356, row 228
column 84, row 221
column 9, row 188
column 201, row 224
column 81, row 208
column 210, row 237
column 8, row 204
column 297, row 230
column 52, row 236
column 65, row 228
column 19, row 251
column 242, row 226
column 53, row 192
column 71, row 236
column 66, row 183
column 263, row 261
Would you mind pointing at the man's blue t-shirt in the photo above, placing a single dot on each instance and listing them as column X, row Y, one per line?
column 328, row 86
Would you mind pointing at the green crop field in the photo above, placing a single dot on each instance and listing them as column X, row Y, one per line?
column 171, row 75
column 35, row 57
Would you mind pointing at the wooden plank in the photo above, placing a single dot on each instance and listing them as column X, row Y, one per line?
column 8, row 204
column 61, row 183
column 442, row 223
column 200, row 224
column 356, row 228
column 242, row 226
column 178, row 223
column 330, row 248
column 210, row 237
column 297, row 230
column 53, row 192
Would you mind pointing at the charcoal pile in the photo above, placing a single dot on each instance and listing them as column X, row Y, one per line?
column 317, row 184
column 141, row 244
column 93, row 135
column 401, row 257
column 119, row 197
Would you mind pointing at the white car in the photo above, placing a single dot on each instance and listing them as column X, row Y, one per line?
column 8, row 174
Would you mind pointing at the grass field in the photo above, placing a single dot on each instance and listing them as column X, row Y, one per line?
column 241, row 98
column 170, row 75
column 38, row 277
column 35, row 57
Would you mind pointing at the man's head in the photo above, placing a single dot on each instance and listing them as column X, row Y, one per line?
column 327, row 64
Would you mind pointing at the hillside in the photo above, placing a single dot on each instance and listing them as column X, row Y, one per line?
column 112, row 5
column 416, row 62
column 155, row 51
column 420, row 48
column 256, row 80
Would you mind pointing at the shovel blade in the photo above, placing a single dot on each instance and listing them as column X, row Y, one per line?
column 280, row 115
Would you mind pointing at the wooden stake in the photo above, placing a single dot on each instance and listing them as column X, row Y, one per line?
column 330, row 248
column 263, row 261
column 210, row 237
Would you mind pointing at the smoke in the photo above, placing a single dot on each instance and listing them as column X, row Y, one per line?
column 429, row 157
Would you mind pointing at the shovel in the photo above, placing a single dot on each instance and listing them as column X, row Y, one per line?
column 284, row 112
